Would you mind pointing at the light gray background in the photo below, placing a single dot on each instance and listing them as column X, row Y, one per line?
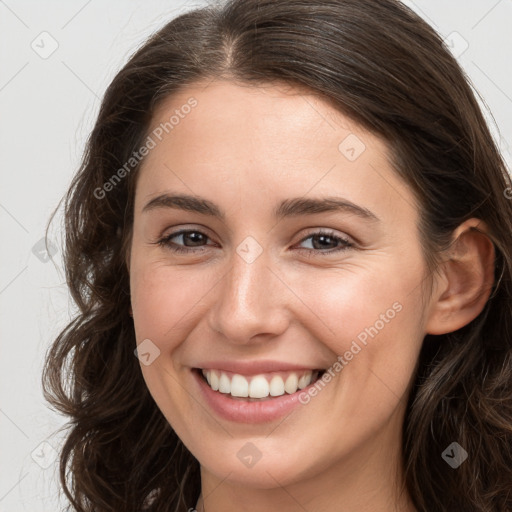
column 47, row 108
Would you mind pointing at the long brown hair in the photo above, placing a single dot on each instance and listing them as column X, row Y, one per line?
column 379, row 63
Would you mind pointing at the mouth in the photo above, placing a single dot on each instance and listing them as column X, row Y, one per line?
column 260, row 387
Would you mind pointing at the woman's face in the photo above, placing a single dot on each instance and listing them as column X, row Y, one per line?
column 301, row 253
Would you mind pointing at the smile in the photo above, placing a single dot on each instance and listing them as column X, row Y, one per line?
column 261, row 386
column 253, row 392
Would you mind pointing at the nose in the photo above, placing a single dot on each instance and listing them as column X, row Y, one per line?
column 250, row 302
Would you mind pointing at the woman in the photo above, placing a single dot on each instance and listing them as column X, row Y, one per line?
column 295, row 217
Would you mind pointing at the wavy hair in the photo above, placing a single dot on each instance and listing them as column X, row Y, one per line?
column 383, row 66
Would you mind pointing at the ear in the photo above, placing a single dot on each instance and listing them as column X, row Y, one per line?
column 464, row 281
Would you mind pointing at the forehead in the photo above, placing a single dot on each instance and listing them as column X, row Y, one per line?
column 270, row 140
column 249, row 113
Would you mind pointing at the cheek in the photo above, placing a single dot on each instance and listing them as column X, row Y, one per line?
column 163, row 299
column 372, row 317
column 164, row 302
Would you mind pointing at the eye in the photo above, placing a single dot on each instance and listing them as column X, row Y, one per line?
column 326, row 238
column 196, row 237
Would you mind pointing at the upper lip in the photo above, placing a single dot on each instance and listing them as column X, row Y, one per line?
column 254, row 367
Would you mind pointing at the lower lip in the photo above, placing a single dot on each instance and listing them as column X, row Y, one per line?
column 242, row 411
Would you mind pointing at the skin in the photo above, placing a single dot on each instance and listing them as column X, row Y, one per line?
column 247, row 148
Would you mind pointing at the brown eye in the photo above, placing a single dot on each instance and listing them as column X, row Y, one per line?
column 196, row 239
column 322, row 240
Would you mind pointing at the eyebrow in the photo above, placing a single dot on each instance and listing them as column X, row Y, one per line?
column 288, row 208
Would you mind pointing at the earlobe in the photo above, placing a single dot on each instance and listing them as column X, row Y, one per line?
column 466, row 277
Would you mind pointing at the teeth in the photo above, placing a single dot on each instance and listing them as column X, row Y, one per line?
column 258, row 386
column 277, row 386
column 291, row 384
column 214, row 380
column 239, row 386
column 224, row 383
column 305, row 380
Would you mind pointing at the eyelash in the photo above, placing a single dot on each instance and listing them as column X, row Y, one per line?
column 165, row 242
